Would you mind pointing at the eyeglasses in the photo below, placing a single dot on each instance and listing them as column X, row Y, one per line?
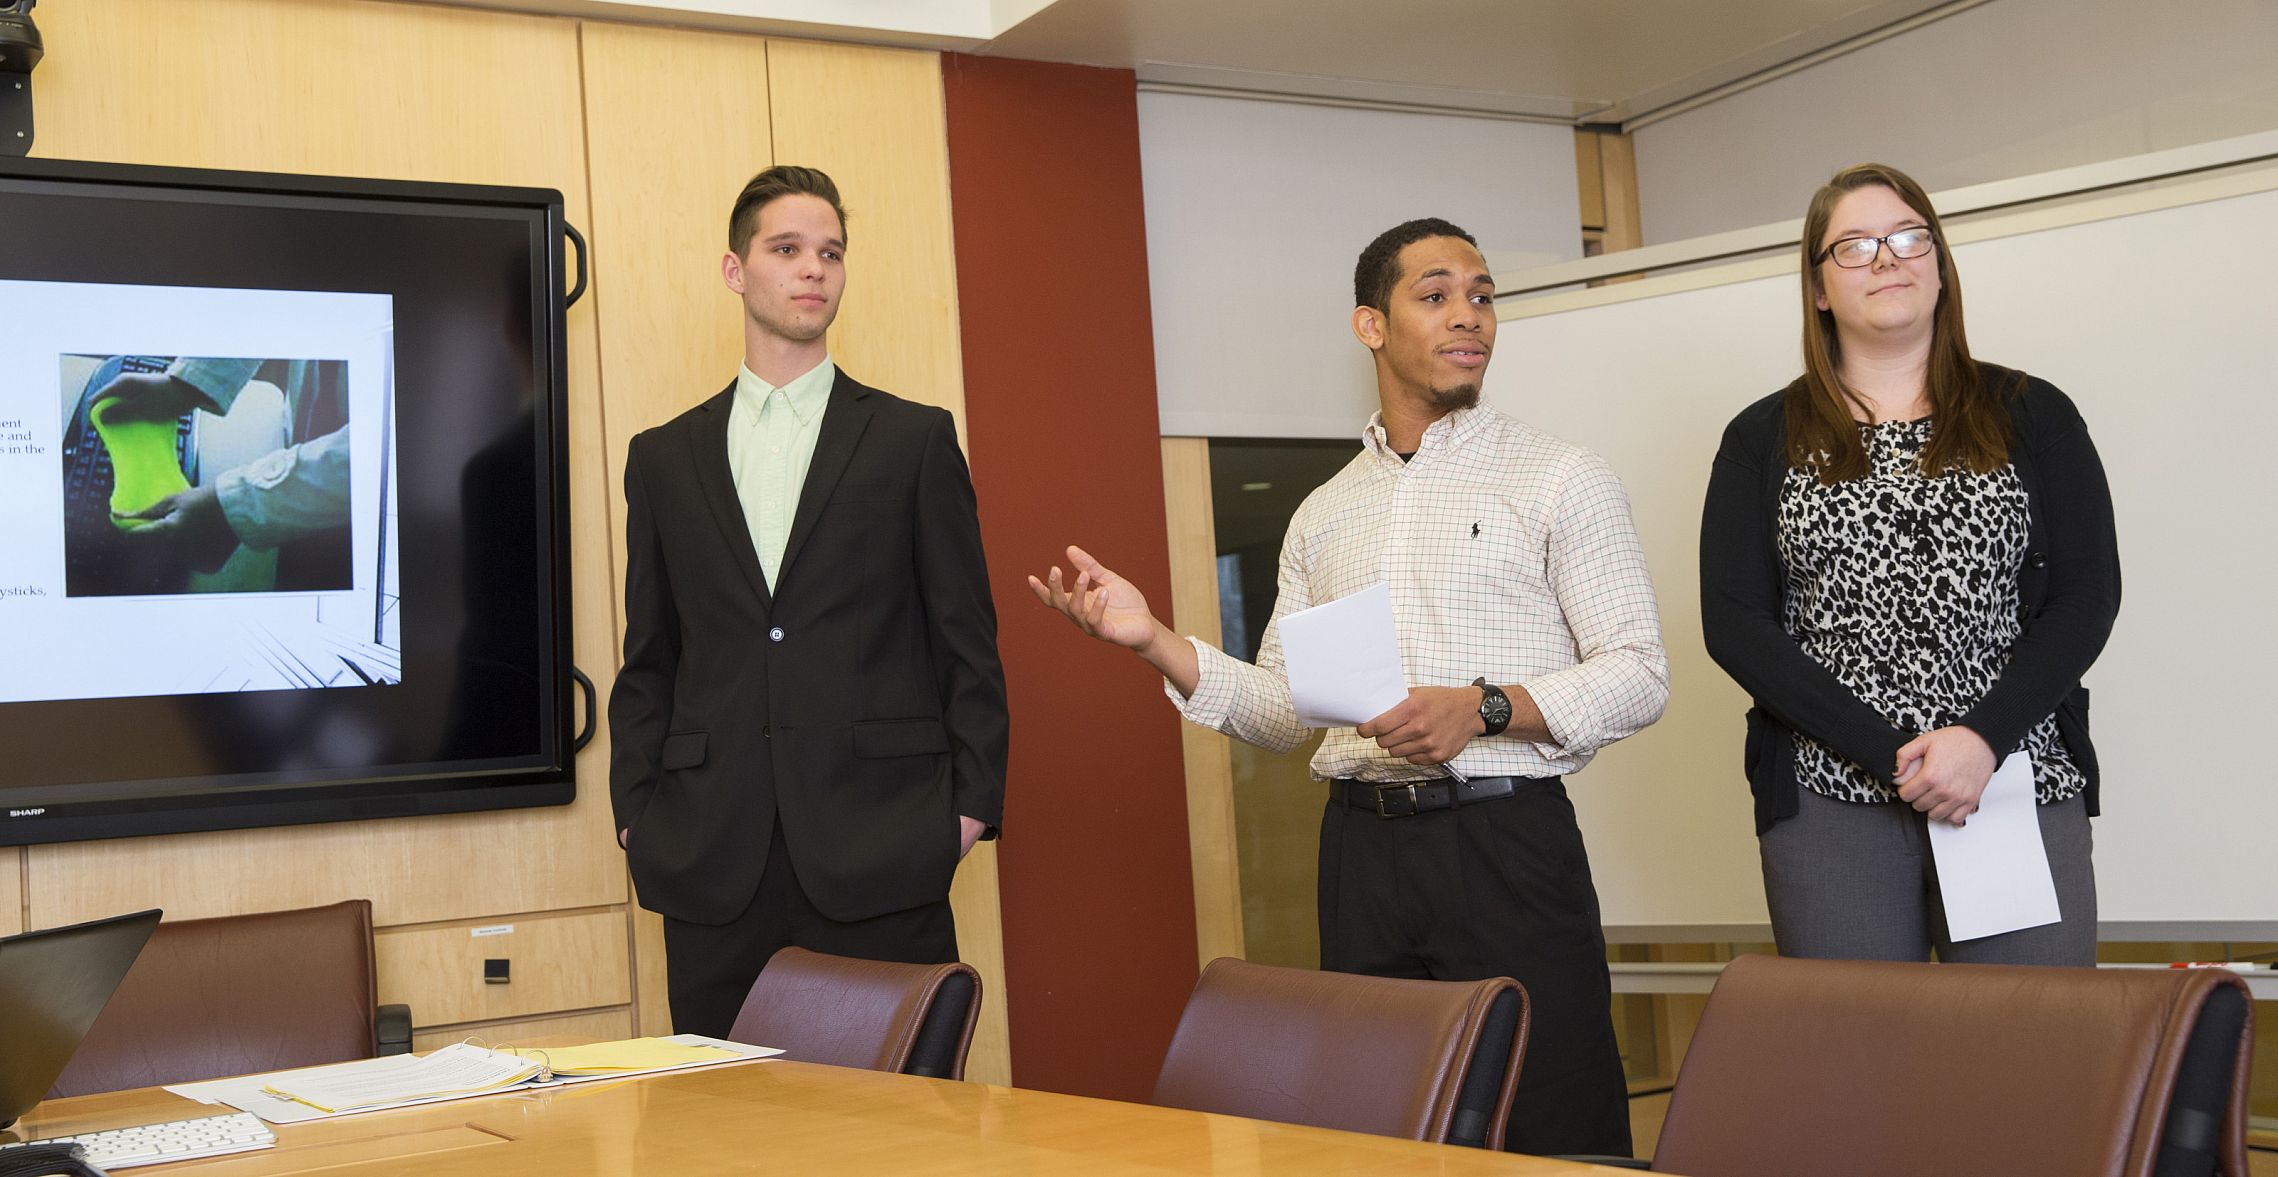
column 1854, row 252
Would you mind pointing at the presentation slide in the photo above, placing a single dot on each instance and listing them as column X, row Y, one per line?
column 201, row 489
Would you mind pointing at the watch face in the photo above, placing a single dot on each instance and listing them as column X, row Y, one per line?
column 1496, row 710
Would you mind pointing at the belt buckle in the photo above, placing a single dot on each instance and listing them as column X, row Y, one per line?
column 1415, row 805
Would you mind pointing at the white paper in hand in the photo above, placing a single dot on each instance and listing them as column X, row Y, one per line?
column 1343, row 660
column 1994, row 872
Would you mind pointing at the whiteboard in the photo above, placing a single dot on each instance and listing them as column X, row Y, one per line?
column 2162, row 324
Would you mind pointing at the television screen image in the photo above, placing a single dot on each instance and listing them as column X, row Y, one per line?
column 288, row 530
column 222, row 522
column 266, row 441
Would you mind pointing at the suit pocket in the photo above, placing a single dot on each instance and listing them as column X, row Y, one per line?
column 879, row 739
column 682, row 750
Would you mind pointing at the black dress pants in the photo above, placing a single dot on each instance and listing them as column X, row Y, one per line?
column 709, row 968
column 1493, row 889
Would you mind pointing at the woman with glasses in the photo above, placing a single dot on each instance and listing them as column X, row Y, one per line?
column 1907, row 558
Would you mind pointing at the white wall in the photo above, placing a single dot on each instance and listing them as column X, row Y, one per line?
column 1256, row 212
column 2009, row 88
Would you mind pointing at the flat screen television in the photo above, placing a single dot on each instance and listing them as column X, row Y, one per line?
column 286, row 535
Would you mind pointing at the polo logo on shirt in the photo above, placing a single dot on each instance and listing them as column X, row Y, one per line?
column 1475, row 531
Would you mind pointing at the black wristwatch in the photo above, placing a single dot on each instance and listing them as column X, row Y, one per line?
column 1494, row 707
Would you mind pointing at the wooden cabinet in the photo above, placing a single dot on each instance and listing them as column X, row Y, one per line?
column 555, row 964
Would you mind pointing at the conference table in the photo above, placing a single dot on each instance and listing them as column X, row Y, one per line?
column 786, row 1117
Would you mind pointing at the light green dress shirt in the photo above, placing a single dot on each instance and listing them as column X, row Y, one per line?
column 771, row 440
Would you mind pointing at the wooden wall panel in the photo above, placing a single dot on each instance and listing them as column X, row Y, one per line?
column 367, row 89
column 1209, row 761
column 11, row 891
column 598, row 1026
column 571, row 961
column 671, row 332
column 873, row 119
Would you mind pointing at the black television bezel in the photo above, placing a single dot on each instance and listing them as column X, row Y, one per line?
column 403, row 794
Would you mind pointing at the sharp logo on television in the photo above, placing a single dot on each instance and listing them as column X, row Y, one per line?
column 26, row 812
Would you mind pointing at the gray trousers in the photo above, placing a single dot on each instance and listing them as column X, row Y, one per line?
column 1854, row 881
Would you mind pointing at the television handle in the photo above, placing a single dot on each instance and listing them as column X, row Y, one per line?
column 584, row 734
column 577, row 291
column 592, row 698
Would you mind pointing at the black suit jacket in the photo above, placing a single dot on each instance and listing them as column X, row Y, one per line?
column 859, row 700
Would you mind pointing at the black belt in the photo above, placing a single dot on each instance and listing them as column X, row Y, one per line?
column 1408, row 798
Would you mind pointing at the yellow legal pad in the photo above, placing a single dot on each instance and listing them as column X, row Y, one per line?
column 631, row 1054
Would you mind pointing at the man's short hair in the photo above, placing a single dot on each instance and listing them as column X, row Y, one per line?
column 771, row 185
column 1379, row 264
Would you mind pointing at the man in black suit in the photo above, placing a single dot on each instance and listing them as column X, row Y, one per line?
column 809, row 726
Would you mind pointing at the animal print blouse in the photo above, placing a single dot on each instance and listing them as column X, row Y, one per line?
column 1906, row 588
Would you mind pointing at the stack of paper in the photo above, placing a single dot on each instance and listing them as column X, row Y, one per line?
column 457, row 1069
column 456, row 1072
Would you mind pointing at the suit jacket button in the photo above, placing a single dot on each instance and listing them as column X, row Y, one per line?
column 776, row 634
column 2037, row 560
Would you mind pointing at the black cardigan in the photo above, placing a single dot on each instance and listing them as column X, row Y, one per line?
column 2068, row 592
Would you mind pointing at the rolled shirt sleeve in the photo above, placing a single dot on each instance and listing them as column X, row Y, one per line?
column 288, row 493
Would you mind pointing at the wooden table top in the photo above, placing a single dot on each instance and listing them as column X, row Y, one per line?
column 787, row 1117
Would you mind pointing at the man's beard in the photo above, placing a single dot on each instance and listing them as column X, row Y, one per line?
column 1461, row 396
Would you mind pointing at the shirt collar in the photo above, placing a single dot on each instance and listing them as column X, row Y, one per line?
column 807, row 393
column 1449, row 431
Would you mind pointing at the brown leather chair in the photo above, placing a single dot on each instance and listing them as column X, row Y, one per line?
column 1426, row 1060
column 237, row 995
column 1871, row 1069
column 914, row 1019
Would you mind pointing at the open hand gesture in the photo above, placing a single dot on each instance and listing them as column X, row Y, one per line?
column 1100, row 603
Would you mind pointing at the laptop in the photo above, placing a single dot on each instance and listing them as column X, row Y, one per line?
column 52, row 984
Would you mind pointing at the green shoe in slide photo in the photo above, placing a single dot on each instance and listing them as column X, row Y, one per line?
column 143, row 461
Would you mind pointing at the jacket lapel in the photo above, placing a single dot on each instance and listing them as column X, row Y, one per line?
column 709, row 457
column 844, row 420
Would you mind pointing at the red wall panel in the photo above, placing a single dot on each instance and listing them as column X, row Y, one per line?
column 1064, row 440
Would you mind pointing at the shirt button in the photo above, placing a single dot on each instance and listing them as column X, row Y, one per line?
column 776, row 634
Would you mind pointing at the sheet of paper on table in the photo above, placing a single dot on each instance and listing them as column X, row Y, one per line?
column 250, row 1093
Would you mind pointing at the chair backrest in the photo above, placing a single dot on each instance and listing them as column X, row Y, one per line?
column 235, row 995
column 915, row 1019
column 1861, row 1068
column 1425, row 1060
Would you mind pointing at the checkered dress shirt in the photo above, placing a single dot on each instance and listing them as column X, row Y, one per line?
column 1509, row 553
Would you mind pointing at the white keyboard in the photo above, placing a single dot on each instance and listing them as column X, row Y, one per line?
column 174, row 1140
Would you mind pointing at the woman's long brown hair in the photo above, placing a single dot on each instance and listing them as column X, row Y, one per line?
column 1970, row 425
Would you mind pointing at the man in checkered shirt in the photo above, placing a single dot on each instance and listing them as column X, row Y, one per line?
column 1529, row 635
